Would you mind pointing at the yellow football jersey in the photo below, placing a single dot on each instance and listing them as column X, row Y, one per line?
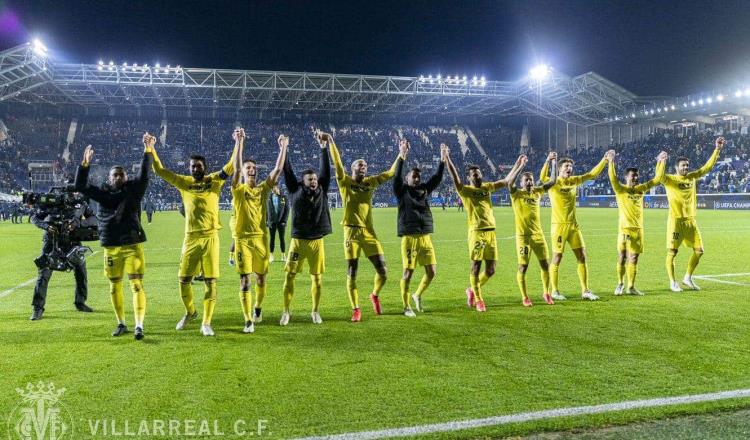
column 250, row 206
column 478, row 204
column 526, row 210
column 682, row 190
column 357, row 196
column 630, row 200
column 563, row 194
column 201, row 198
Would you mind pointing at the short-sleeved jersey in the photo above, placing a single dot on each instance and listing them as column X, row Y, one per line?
column 526, row 210
column 630, row 200
column 563, row 194
column 478, row 204
column 249, row 205
column 682, row 190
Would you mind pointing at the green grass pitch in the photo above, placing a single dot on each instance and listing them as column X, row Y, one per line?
column 450, row 363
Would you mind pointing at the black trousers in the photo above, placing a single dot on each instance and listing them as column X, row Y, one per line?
column 274, row 228
column 149, row 215
column 42, row 281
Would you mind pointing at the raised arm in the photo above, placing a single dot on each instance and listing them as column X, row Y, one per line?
column 398, row 181
column 594, row 171
column 702, row 171
column 174, row 179
column 228, row 168
column 544, row 173
column 383, row 177
column 324, row 178
column 513, row 173
column 292, row 184
column 239, row 148
column 141, row 181
column 552, row 174
column 661, row 167
column 82, row 177
column 338, row 165
column 616, row 185
column 273, row 176
column 437, row 178
column 452, row 169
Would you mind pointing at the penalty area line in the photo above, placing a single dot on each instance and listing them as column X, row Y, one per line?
column 535, row 415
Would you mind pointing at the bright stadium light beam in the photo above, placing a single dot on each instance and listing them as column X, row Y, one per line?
column 738, row 93
column 539, row 72
column 39, row 48
column 720, row 98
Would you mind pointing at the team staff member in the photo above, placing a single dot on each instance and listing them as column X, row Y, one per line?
column 278, row 212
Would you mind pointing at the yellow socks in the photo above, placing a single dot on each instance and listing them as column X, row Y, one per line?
column 632, row 271
column 554, row 271
column 620, row 273
column 404, row 292
column 186, row 293
column 316, row 285
column 288, row 289
column 246, row 300
column 260, row 293
column 583, row 276
column 545, row 280
column 476, row 286
column 378, row 283
column 521, row 279
column 139, row 301
column 670, row 267
column 483, row 278
column 693, row 262
column 118, row 300
column 209, row 302
column 423, row 285
column 351, row 290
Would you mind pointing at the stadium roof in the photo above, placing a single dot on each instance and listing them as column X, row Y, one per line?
column 28, row 75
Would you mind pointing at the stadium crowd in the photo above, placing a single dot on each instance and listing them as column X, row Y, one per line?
column 45, row 140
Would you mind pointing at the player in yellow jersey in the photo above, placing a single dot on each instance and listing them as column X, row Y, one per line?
column 359, row 232
column 565, row 228
column 630, row 240
column 200, row 248
column 476, row 197
column 250, row 233
column 529, row 234
column 681, row 226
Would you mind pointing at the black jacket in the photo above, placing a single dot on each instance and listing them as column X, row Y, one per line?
column 310, row 216
column 279, row 217
column 119, row 210
column 414, row 215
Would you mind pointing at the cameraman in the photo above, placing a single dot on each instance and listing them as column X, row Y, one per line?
column 43, row 219
column 120, row 231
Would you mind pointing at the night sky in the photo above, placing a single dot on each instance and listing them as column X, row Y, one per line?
column 649, row 47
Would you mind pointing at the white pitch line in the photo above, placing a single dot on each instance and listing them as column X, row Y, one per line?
column 5, row 293
column 535, row 415
column 708, row 278
column 727, row 275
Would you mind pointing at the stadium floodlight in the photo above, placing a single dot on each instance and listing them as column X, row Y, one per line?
column 111, row 63
column 101, row 62
column 665, row 109
column 738, row 93
column 632, row 115
column 747, row 92
column 100, row 67
column 672, row 107
column 39, row 48
column 720, row 98
column 709, row 100
column 692, row 103
column 658, row 110
column 684, row 104
column 539, row 72
column 652, row 111
column 700, row 101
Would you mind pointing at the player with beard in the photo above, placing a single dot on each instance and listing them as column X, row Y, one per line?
column 120, row 231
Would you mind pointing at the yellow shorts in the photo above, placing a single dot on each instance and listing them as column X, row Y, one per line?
column 526, row 244
column 683, row 231
column 312, row 251
column 630, row 240
column 200, row 254
column 417, row 250
column 251, row 255
column 566, row 233
column 482, row 245
column 358, row 240
column 121, row 260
